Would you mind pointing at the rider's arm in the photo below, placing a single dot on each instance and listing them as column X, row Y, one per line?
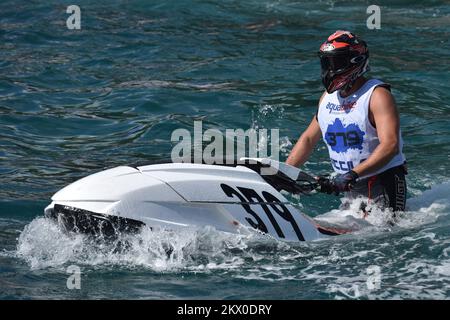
column 306, row 143
column 385, row 116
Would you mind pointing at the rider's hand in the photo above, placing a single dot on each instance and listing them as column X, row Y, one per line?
column 344, row 182
column 325, row 185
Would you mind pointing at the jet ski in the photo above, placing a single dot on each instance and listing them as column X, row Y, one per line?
column 238, row 199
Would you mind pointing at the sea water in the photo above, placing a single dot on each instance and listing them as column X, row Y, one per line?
column 74, row 102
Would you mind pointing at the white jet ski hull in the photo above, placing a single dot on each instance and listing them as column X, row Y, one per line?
column 171, row 196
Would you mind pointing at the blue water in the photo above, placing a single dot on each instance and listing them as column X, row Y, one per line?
column 73, row 102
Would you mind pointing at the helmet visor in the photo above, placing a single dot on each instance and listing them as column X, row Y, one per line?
column 334, row 63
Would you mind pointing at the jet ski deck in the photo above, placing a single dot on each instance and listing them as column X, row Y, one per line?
column 177, row 195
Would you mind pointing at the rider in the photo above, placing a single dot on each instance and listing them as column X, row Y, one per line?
column 359, row 122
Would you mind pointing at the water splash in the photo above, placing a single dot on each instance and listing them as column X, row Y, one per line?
column 423, row 209
column 43, row 244
column 413, row 255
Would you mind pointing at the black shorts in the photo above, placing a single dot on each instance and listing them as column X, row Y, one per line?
column 387, row 189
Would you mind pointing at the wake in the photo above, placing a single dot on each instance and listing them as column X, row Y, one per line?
column 42, row 244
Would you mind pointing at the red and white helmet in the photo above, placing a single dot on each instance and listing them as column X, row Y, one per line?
column 344, row 58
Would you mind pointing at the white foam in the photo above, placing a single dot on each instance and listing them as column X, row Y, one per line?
column 337, row 266
column 43, row 244
column 422, row 209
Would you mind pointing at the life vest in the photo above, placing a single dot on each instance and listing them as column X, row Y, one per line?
column 347, row 131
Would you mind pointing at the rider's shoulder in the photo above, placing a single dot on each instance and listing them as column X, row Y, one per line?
column 382, row 91
column 380, row 85
column 382, row 96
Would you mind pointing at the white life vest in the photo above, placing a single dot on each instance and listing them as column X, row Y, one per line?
column 347, row 131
